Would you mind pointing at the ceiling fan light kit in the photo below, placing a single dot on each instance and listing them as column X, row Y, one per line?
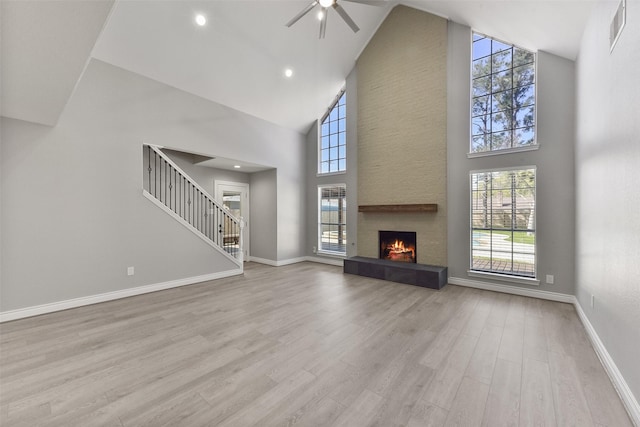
column 325, row 5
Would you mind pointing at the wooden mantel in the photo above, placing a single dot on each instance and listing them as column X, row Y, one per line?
column 424, row 207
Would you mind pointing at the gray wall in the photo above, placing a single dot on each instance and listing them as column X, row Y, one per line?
column 72, row 229
column 608, row 200
column 73, row 216
column 349, row 178
column 291, row 218
column 264, row 214
column 555, row 204
column 203, row 175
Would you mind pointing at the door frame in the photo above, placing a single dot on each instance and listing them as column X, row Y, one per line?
column 243, row 188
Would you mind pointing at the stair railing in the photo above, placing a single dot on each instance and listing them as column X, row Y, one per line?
column 178, row 194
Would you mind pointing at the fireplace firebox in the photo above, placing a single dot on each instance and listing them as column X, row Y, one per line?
column 398, row 245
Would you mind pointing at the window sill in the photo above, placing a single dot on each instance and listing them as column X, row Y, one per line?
column 504, row 278
column 505, row 151
column 319, row 174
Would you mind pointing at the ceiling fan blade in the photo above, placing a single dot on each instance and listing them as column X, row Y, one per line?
column 301, row 14
column 369, row 2
column 323, row 23
column 343, row 13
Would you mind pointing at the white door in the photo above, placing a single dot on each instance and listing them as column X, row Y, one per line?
column 235, row 197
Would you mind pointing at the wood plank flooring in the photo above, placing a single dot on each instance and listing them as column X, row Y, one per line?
column 306, row 345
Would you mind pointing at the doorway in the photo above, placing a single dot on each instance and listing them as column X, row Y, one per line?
column 234, row 196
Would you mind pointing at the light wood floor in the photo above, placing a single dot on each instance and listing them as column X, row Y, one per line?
column 306, row 345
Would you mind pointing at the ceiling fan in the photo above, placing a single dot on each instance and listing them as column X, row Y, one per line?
column 322, row 15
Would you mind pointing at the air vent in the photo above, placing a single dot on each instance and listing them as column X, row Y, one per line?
column 617, row 24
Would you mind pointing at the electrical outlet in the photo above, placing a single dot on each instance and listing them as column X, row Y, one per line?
column 550, row 279
column 130, row 271
column 593, row 301
column 314, row 250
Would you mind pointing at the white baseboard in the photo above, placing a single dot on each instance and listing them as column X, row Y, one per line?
column 326, row 260
column 628, row 399
column 534, row 293
column 320, row 260
column 276, row 263
column 263, row 261
column 22, row 313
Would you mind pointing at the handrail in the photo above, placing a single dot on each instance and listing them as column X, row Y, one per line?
column 158, row 150
column 180, row 195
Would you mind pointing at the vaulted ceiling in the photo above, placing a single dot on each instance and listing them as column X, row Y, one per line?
column 239, row 57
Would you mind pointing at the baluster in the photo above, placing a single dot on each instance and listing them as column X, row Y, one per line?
column 170, row 187
column 149, row 166
column 206, row 217
column 235, row 233
column 225, row 231
column 220, row 239
column 155, row 175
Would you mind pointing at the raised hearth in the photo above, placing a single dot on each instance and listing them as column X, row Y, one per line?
column 427, row 276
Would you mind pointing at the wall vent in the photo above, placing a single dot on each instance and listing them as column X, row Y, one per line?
column 617, row 24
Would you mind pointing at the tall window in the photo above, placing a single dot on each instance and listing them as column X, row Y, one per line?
column 503, row 232
column 503, row 96
column 333, row 137
column 332, row 224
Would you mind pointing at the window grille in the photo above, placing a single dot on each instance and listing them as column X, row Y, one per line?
column 503, row 95
column 332, row 224
column 333, row 137
column 503, row 233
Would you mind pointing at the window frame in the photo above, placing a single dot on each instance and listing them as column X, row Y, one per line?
column 319, row 248
column 334, row 105
column 491, row 152
column 507, row 276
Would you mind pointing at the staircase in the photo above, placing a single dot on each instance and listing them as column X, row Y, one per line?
column 171, row 189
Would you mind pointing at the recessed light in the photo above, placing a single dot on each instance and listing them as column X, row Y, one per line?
column 201, row 20
column 236, row 166
column 326, row 3
column 288, row 72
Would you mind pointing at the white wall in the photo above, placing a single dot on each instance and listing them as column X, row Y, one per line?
column 608, row 200
column 73, row 216
column 555, row 204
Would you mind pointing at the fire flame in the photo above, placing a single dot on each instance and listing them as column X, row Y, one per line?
column 398, row 250
column 397, row 246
